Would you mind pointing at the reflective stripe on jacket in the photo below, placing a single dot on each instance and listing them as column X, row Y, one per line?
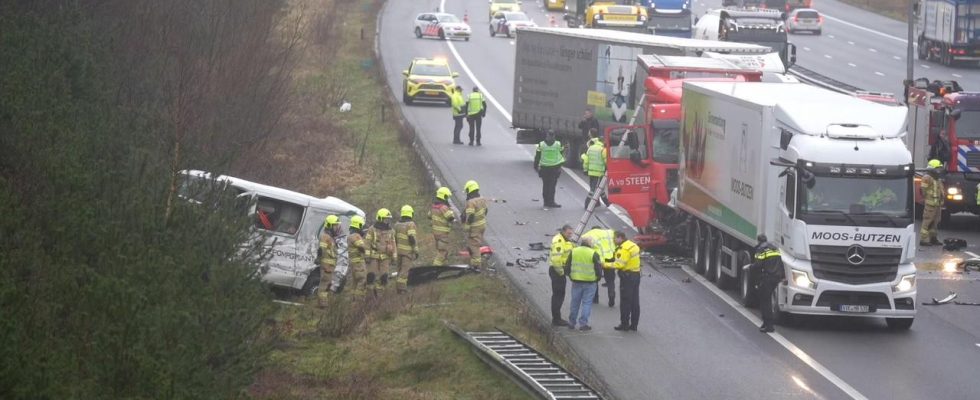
column 476, row 212
column 458, row 102
column 628, row 257
column 328, row 254
column 560, row 250
column 602, row 242
column 442, row 216
column 381, row 243
column 355, row 247
column 932, row 191
column 404, row 231
column 594, row 160
column 475, row 103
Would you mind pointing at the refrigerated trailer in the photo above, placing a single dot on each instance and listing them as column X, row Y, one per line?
column 825, row 176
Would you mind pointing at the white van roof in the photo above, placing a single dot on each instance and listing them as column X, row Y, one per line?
column 643, row 39
column 329, row 203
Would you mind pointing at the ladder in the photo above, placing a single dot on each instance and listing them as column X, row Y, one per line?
column 532, row 370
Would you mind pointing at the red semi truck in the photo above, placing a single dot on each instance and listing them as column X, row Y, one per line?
column 642, row 171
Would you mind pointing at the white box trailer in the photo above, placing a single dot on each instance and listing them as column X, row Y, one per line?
column 825, row 176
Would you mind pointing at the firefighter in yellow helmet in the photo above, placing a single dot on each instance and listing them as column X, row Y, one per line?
column 327, row 255
column 380, row 240
column 356, row 249
column 442, row 218
column 475, row 222
column 933, row 196
column 408, row 247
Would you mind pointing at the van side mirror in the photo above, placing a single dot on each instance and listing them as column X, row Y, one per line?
column 405, row 72
column 455, row 74
column 956, row 114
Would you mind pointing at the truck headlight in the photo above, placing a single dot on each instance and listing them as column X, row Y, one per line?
column 953, row 190
column 802, row 279
column 907, row 283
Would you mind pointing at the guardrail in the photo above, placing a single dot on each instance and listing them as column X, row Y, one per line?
column 816, row 79
column 532, row 370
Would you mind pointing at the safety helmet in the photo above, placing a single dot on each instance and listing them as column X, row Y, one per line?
column 331, row 221
column 357, row 222
column 443, row 193
column 407, row 211
column 383, row 214
column 935, row 163
column 471, row 186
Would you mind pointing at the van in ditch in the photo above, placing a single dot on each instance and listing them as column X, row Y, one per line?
column 288, row 222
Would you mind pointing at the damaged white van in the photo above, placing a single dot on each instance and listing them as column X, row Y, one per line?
column 288, row 222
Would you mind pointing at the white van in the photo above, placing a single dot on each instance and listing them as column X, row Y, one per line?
column 288, row 222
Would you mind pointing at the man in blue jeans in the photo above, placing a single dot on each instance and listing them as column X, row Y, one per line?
column 584, row 268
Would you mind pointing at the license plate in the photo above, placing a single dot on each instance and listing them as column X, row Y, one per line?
column 608, row 17
column 854, row 308
column 431, row 93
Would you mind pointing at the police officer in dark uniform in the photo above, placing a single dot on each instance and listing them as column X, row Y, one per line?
column 769, row 267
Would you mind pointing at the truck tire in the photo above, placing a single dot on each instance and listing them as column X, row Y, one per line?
column 747, row 292
column 711, row 255
column 312, row 286
column 899, row 324
column 722, row 279
column 921, row 50
column 698, row 249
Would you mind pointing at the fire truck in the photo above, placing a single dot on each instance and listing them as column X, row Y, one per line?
column 643, row 171
column 936, row 106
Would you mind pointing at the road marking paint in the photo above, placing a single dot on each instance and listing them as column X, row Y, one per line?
column 779, row 338
column 978, row 344
column 850, row 42
column 512, row 43
column 958, row 76
column 806, row 48
column 792, row 348
column 288, row 303
column 897, row 57
column 879, row 73
column 866, row 29
column 972, row 254
column 852, row 64
column 925, row 66
column 873, row 50
column 831, row 36
column 828, row 56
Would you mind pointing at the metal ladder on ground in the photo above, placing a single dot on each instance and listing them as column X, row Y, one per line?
column 532, row 370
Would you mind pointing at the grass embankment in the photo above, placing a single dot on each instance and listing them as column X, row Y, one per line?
column 395, row 346
column 897, row 9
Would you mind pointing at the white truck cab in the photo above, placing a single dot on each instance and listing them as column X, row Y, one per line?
column 288, row 222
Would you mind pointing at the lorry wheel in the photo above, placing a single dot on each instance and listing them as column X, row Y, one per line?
column 921, row 50
column 312, row 286
column 713, row 248
column 698, row 248
column 899, row 324
column 721, row 278
column 746, row 289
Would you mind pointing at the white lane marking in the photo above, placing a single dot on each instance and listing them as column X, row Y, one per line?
column 897, row 57
column 828, row 56
column 796, row 351
column 958, row 76
column 866, row 29
column 879, row 73
column 779, row 338
column 873, row 50
column 512, row 43
column 925, row 66
column 852, row 64
column 978, row 344
column 288, row 303
column 806, row 48
column 831, row 36
column 972, row 254
column 850, row 42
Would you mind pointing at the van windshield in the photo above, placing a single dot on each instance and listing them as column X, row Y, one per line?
column 968, row 126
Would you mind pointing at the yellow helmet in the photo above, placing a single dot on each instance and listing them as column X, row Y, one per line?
column 935, row 163
column 407, row 211
column 357, row 222
column 331, row 221
column 471, row 186
column 443, row 193
column 383, row 214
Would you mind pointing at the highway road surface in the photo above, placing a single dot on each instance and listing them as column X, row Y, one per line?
column 694, row 342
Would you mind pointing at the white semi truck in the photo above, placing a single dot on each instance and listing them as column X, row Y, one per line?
column 825, row 176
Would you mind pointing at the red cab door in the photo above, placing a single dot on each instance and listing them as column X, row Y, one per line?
column 628, row 171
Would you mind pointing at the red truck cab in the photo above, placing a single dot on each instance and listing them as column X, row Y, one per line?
column 642, row 170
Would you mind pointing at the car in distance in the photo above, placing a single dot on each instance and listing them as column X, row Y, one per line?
column 508, row 22
column 504, row 5
column 428, row 79
column 804, row 19
column 441, row 25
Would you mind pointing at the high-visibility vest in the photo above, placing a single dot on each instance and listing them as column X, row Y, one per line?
column 457, row 101
column 978, row 194
column 550, row 154
column 475, row 103
column 932, row 191
column 355, row 248
column 561, row 249
column 328, row 253
column 602, row 242
column 441, row 215
column 476, row 212
column 628, row 257
column 595, row 160
column 583, row 268
column 403, row 231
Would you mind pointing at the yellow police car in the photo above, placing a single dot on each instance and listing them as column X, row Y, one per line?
column 504, row 5
column 428, row 79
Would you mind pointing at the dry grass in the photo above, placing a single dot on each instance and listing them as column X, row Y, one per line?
column 896, row 9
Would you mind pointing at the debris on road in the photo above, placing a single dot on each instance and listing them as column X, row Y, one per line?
column 535, row 200
column 537, row 246
column 966, row 303
column 428, row 273
column 686, row 280
column 953, row 244
column 509, row 264
column 520, row 223
column 946, row 300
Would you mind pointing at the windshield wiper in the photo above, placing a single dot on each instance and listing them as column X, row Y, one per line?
column 836, row 212
column 888, row 218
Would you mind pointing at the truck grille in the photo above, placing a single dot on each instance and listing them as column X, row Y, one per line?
column 830, row 263
column 972, row 158
column 429, row 86
column 831, row 298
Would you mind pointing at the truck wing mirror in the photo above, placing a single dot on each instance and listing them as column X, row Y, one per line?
column 785, row 171
column 781, row 163
column 956, row 114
